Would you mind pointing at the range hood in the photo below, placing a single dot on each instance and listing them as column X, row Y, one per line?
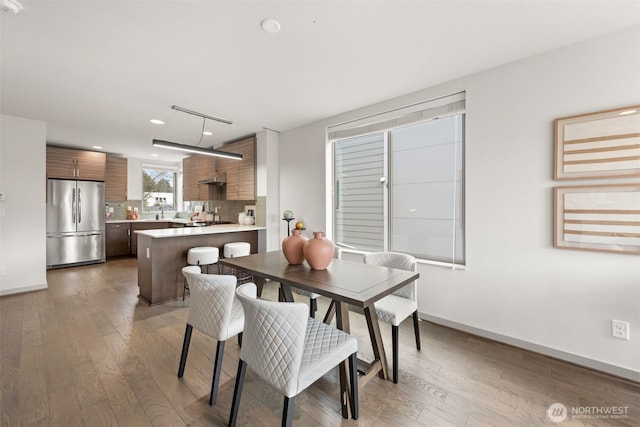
column 216, row 179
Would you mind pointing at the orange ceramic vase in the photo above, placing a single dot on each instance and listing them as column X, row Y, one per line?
column 318, row 251
column 292, row 248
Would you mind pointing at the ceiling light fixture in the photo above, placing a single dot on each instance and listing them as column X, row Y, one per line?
column 206, row 132
column 156, row 122
column 624, row 113
column 12, row 6
column 196, row 150
column 204, row 116
column 97, row 147
column 270, row 26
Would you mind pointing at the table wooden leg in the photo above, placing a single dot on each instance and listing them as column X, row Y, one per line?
column 259, row 281
column 286, row 293
column 331, row 312
column 376, row 340
column 342, row 323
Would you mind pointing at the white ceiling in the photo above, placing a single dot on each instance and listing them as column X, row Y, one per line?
column 97, row 71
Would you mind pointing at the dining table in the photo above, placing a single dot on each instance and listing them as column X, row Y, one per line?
column 345, row 283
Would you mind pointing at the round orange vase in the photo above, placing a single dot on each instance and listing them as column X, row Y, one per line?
column 292, row 248
column 318, row 251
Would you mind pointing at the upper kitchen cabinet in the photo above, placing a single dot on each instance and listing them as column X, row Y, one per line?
column 67, row 163
column 194, row 169
column 241, row 174
column 115, row 181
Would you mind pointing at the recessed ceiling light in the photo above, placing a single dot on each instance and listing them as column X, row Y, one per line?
column 206, row 132
column 270, row 26
column 97, row 147
column 156, row 122
column 624, row 113
column 154, row 155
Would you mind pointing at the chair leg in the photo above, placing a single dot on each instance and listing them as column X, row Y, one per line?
column 185, row 349
column 394, row 344
column 353, row 379
column 313, row 307
column 416, row 328
column 240, row 339
column 185, row 288
column 237, row 392
column 287, row 411
column 217, row 368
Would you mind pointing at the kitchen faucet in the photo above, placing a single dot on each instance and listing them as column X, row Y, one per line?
column 161, row 201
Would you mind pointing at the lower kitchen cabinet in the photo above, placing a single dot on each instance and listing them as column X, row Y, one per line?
column 118, row 239
column 121, row 238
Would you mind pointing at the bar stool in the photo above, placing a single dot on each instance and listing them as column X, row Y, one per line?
column 235, row 250
column 199, row 256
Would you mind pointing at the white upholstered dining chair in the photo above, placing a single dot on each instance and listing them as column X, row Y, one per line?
column 399, row 305
column 289, row 350
column 215, row 311
column 313, row 297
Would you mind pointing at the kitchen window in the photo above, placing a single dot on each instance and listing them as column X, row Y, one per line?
column 158, row 189
column 399, row 181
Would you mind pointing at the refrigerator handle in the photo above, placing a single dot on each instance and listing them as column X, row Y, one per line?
column 79, row 208
column 73, row 206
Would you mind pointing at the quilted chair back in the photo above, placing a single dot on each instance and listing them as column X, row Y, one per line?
column 273, row 340
column 399, row 261
column 212, row 302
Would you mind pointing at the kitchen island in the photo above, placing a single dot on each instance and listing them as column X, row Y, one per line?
column 162, row 253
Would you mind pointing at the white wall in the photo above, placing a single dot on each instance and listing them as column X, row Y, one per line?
column 23, row 253
column 516, row 288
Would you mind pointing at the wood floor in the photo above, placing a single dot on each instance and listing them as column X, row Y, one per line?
column 86, row 352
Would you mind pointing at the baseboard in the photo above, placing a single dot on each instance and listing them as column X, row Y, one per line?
column 596, row 365
column 24, row 289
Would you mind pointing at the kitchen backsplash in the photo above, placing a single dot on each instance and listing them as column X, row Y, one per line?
column 227, row 210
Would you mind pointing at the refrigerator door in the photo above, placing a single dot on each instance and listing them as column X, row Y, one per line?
column 76, row 248
column 90, row 206
column 61, row 206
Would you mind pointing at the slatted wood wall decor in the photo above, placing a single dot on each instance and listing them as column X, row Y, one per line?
column 598, row 217
column 603, row 144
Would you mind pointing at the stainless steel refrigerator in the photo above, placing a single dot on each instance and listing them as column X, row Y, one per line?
column 75, row 222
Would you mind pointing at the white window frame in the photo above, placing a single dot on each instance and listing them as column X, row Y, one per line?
column 383, row 122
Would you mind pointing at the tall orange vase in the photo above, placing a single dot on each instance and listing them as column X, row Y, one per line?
column 318, row 251
column 292, row 248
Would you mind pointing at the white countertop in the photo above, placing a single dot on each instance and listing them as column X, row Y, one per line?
column 176, row 220
column 198, row 231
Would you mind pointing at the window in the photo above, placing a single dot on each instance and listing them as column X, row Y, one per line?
column 158, row 189
column 398, row 181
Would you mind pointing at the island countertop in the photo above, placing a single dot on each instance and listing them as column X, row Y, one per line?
column 197, row 231
column 162, row 253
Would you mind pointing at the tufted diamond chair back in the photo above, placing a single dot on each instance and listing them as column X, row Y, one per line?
column 215, row 311
column 290, row 350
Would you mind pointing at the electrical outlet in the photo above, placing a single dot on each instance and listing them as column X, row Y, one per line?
column 620, row 329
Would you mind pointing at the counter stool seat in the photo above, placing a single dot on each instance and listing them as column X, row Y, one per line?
column 199, row 256
column 235, row 250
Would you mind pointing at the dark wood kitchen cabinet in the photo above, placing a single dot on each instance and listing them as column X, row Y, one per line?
column 118, row 239
column 241, row 174
column 68, row 163
column 115, row 181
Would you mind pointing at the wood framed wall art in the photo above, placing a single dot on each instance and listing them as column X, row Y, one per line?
column 598, row 217
column 604, row 144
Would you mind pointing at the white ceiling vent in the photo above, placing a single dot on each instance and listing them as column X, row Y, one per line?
column 12, row 6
